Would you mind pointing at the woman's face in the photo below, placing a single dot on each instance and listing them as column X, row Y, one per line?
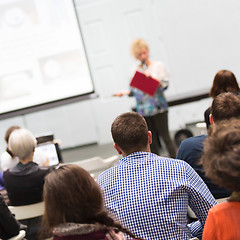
column 142, row 55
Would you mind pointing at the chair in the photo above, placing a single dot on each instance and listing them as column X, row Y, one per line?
column 96, row 165
column 20, row 236
column 192, row 215
column 27, row 211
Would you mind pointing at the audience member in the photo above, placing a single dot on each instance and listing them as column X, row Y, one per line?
column 148, row 193
column 224, row 81
column 9, row 160
column 221, row 161
column 3, row 191
column 74, row 207
column 153, row 108
column 224, row 106
column 24, row 182
column 9, row 226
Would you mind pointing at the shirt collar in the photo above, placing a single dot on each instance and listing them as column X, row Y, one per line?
column 136, row 157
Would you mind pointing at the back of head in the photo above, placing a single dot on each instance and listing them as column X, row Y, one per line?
column 138, row 45
column 9, row 131
column 22, row 143
column 224, row 81
column 71, row 195
column 130, row 132
column 221, row 158
column 225, row 106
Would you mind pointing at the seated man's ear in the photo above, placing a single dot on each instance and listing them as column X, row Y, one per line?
column 149, row 137
column 211, row 118
column 117, row 148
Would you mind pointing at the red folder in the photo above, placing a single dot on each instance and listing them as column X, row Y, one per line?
column 146, row 84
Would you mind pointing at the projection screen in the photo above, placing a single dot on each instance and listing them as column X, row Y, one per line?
column 42, row 55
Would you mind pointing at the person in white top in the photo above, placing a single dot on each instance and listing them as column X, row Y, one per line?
column 8, row 160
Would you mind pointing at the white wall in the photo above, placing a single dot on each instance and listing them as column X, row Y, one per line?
column 194, row 39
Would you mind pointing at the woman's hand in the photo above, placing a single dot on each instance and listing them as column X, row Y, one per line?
column 148, row 74
column 121, row 93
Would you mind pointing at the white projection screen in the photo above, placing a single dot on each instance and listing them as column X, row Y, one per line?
column 42, row 55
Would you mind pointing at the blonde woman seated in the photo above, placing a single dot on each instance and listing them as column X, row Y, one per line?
column 221, row 161
column 24, row 182
column 9, row 160
column 74, row 208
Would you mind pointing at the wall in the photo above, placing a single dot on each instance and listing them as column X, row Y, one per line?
column 194, row 39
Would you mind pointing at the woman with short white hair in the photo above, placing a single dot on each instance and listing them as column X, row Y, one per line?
column 22, row 143
column 24, row 182
column 9, row 160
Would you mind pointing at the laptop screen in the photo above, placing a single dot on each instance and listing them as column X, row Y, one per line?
column 50, row 151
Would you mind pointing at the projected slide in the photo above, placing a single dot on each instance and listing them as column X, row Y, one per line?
column 42, row 58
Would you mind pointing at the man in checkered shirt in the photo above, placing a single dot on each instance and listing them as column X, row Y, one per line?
column 150, row 194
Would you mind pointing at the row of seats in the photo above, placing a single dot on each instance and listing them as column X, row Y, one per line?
column 93, row 165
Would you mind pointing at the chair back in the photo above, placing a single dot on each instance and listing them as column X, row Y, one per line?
column 27, row 211
column 96, row 165
column 20, row 236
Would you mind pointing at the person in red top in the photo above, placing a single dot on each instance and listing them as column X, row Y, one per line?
column 221, row 161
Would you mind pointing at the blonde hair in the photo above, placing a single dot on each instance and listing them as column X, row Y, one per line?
column 137, row 45
column 22, row 143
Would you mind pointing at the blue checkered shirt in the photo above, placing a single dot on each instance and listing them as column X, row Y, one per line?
column 150, row 195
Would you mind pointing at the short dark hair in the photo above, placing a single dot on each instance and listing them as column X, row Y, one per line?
column 225, row 106
column 130, row 132
column 221, row 157
column 224, row 81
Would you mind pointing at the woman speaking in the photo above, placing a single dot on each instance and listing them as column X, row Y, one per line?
column 153, row 108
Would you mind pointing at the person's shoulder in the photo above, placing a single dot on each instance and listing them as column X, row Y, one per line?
column 198, row 138
column 157, row 63
column 6, row 173
column 225, row 206
column 5, row 157
column 5, row 154
column 107, row 174
column 192, row 141
column 171, row 162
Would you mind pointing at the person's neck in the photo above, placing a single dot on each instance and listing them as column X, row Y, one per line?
column 139, row 150
column 147, row 62
column 26, row 160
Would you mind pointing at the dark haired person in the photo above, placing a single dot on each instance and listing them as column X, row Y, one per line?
column 221, row 161
column 148, row 193
column 224, row 106
column 74, row 208
column 8, row 160
column 224, row 81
